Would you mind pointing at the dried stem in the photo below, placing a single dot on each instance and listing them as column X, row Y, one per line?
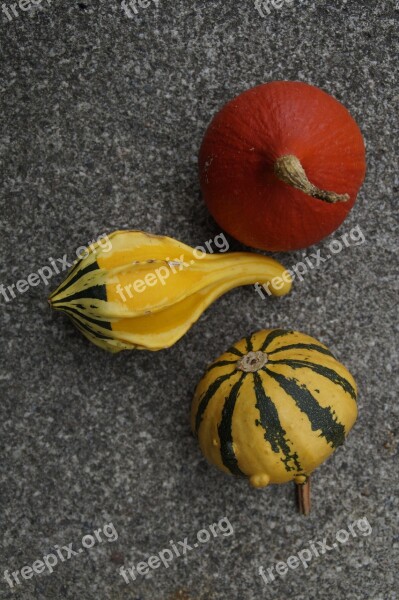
column 303, row 497
column 288, row 168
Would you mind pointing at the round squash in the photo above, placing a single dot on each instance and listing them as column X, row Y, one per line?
column 281, row 165
column 273, row 407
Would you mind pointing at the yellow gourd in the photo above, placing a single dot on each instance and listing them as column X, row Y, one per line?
column 273, row 407
column 146, row 291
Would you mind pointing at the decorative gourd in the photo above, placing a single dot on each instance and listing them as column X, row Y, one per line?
column 270, row 156
column 273, row 407
column 148, row 290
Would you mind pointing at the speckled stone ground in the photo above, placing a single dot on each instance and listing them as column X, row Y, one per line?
column 101, row 121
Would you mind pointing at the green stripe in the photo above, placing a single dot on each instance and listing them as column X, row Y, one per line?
column 225, row 430
column 95, row 292
column 104, row 324
column 272, row 336
column 249, row 343
column 71, row 271
column 303, row 347
column 233, row 350
column 92, row 267
column 320, row 370
column 83, row 326
column 207, row 396
column 321, row 419
column 274, row 432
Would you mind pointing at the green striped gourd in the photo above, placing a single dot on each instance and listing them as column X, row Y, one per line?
column 145, row 291
column 273, row 407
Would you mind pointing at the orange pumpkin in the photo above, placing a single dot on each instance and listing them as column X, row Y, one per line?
column 281, row 165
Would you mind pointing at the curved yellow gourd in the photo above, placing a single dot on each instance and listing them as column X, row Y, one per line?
column 273, row 407
column 146, row 291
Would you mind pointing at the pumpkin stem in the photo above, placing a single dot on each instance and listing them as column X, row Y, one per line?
column 288, row 168
column 303, row 497
column 252, row 362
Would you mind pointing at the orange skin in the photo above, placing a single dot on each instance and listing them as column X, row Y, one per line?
column 238, row 155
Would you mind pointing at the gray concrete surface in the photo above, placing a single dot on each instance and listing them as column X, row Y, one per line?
column 101, row 121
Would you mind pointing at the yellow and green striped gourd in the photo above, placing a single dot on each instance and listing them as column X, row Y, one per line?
column 145, row 291
column 273, row 407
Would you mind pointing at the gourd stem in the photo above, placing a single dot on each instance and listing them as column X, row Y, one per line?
column 252, row 362
column 288, row 168
column 303, row 497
